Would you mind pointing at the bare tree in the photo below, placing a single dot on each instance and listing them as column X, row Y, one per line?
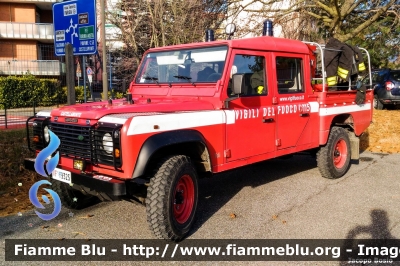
column 343, row 19
column 373, row 24
column 153, row 23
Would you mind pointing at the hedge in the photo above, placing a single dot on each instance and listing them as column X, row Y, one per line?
column 23, row 91
column 114, row 94
column 79, row 93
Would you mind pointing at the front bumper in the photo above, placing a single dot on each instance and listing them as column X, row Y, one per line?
column 113, row 187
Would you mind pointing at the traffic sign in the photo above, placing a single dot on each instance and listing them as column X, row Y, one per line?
column 89, row 73
column 75, row 23
column 78, row 70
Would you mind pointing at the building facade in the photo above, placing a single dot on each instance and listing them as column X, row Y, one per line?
column 27, row 38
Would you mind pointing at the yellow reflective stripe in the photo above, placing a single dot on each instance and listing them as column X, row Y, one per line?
column 361, row 67
column 342, row 72
column 331, row 81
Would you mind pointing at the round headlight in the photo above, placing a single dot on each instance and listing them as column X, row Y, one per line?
column 46, row 134
column 107, row 143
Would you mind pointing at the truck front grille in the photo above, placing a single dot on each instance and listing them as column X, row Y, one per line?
column 75, row 140
column 88, row 142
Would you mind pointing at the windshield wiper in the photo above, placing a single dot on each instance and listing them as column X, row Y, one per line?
column 184, row 77
column 151, row 78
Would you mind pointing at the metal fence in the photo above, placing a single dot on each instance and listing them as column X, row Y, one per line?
column 12, row 118
column 16, row 117
column 20, row 58
column 35, row 67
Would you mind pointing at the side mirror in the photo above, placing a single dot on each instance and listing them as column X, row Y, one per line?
column 238, row 83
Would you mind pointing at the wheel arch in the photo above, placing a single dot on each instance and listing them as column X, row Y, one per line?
column 342, row 120
column 346, row 121
column 184, row 142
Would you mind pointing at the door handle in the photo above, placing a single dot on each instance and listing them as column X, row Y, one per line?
column 305, row 115
column 268, row 120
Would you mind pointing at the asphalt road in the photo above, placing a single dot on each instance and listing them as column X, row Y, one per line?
column 277, row 199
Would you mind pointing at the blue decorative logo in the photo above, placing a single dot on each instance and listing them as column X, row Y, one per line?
column 44, row 170
column 33, row 198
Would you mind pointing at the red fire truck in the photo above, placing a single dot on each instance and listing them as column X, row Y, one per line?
column 197, row 109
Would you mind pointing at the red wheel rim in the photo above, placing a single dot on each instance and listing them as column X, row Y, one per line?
column 183, row 199
column 340, row 154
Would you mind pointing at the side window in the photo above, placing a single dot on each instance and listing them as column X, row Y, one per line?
column 289, row 72
column 395, row 75
column 253, row 70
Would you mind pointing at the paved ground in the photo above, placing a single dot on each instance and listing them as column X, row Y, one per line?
column 277, row 199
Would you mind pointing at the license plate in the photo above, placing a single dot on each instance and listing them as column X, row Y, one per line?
column 61, row 175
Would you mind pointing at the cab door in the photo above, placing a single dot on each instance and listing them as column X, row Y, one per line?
column 293, row 110
column 251, row 131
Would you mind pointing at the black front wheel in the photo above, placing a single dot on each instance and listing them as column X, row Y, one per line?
column 72, row 198
column 172, row 198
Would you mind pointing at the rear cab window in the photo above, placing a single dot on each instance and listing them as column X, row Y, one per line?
column 290, row 76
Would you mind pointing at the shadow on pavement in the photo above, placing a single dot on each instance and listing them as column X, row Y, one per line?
column 216, row 191
column 376, row 234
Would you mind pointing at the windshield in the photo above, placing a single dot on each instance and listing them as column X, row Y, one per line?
column 190, row 65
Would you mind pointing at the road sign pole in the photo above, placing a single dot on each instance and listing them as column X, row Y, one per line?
column 69, row 62
column 84, row 77
column 104, row 47
column 110, row 88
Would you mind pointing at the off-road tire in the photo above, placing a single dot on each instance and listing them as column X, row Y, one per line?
column 72, row 198
column 378, row 105
column 333, row 159
column 172, row 197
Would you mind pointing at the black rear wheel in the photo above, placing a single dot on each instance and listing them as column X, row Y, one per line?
column 172, row 198
column 333, row 159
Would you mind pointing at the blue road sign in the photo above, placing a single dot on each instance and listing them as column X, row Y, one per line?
column 75, row 23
